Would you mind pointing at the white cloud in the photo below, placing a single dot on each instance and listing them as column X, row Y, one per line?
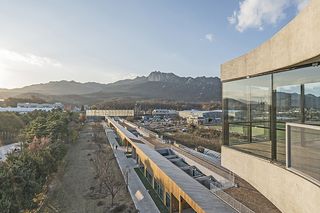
column 233, row 19
column 209, row 37
column 301, row 4
column 18, row 69
column 258, row 13
column 27, row 58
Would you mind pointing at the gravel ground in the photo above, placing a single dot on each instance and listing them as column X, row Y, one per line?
column 70, row 189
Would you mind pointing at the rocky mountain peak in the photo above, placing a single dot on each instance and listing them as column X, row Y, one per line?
column 162, row 77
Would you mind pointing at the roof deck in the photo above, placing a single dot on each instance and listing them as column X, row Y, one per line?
column 174, row 179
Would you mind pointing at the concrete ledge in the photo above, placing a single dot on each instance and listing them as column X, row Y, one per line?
column 289, row 192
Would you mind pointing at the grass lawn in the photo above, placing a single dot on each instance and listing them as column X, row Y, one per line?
column 162, row 208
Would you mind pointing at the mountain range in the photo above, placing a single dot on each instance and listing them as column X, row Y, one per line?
column 157, row 85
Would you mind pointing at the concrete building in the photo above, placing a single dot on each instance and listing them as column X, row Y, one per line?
column 22, row 110
column 181, row 187
column 274, row 140
column 112, row 113
column 198, row 117
column 30, row 107
column 164, row 112
column 36, row 105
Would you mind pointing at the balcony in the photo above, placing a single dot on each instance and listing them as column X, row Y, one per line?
column 303, row 150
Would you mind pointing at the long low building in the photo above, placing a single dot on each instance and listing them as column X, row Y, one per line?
column 23, row 110
column 44, row 105
column 178, row 191
column 111, row 113
column 30, row 107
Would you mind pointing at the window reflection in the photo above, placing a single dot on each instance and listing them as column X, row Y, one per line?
column 248, row 104
column 248, row 111
column 312, row 103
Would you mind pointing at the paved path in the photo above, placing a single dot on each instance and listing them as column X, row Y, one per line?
column 138, row 192
column 69, row 189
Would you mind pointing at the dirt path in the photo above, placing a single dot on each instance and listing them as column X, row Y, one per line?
column 71, row 188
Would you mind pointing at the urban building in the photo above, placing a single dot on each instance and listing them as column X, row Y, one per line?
column 112, row 113
column 36, row 105
column 198, row 117
column 273, row 92
column 164, row 113
column 180, row 187
column 30, row 107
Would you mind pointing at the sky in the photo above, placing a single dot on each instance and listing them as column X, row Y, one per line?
column 109, row 40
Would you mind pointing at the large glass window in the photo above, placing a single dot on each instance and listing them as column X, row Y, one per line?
column 252, row 105
column 297, row 101
column 168, row 198
column 149, row 176
column 158, row 187
column 248, row 114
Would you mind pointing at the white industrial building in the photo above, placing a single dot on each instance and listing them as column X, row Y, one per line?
column 164, row 112
column 198, row 117
column 30, row 107
column 111, row 113
column 36, row 105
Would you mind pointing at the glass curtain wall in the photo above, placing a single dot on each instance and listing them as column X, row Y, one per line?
column 248, row 104
column 256, row 109
column 297, row 101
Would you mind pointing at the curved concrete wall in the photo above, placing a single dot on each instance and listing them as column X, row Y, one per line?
column 289, row 192
column 296, row 43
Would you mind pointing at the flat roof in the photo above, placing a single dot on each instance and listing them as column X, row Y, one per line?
column 195, row 190
column 126, row 132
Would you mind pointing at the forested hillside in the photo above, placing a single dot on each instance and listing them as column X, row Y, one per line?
column 24, row 174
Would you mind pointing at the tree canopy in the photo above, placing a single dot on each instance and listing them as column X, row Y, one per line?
column 23, row 175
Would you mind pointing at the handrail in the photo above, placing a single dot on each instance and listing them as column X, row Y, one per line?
column 302, row 171
column 306, row 126
column 233, row 203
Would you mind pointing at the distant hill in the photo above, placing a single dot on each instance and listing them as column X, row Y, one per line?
column 157, row 85
column 56, row 88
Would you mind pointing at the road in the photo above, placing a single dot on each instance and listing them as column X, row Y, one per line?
column 4, row 150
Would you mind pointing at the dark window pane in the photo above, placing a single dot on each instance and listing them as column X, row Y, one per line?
column 312, row 103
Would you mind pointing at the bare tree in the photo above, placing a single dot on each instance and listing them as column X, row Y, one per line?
column 106, row 173
column 112, row 183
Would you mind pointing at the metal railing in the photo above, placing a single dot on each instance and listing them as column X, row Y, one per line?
column 303, row 150
column 205, row 162
column 236, row 205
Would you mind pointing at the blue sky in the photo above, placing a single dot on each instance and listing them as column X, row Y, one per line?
column 109, row 40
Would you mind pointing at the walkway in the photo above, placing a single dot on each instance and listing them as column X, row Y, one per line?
column 138, row 192
column 74, row 188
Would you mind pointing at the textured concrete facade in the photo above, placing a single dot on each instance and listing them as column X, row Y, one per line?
column 288, row 191
column 297, row 43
